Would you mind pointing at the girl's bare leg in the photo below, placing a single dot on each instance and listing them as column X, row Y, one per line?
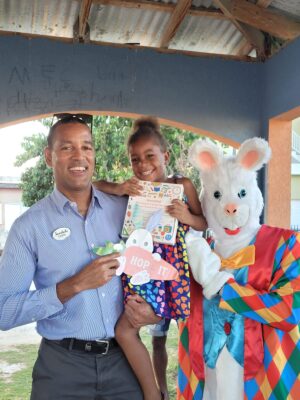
column 138, row 357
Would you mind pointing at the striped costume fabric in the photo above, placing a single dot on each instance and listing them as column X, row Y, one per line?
column 273, row 311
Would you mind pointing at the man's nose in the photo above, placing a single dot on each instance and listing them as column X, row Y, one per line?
column 78, row 152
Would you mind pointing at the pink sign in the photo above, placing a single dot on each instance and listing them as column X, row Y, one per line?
column 138, row 259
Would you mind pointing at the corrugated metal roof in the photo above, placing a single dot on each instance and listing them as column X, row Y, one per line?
column 126, row 25
column 137, row 23
column 40, row 17
column 204, row 35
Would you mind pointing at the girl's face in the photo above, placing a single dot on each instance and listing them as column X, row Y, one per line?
column 148, row 161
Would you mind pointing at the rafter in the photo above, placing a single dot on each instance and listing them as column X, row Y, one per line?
column 266, row 20
column 163, row 7
column 174, row 22
column 263, row 19
column 81, row 27
column 247, row 48
column 253, row 36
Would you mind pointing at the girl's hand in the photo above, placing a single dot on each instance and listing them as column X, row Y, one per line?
column 131, row 187
column 179, row 210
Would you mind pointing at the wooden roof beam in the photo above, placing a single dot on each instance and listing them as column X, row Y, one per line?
column 81, row 28
column 254, row 37
column 263, row 19
column 174, row 22
column 247, row 48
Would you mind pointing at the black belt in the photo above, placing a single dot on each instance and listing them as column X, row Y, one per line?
column 89, row 346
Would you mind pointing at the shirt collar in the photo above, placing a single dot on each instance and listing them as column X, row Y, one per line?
column 60, row 200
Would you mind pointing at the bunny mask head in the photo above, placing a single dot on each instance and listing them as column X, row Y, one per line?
column 230, row 197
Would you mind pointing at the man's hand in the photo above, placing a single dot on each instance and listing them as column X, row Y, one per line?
column 96, row 274
column 139, row 312
column 131, row 187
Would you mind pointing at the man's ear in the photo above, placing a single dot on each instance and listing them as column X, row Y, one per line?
column 48, row 156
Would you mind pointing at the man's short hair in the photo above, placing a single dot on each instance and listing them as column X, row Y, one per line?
column 64, row 119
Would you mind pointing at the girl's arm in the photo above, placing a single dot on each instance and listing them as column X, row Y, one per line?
column 191, row 213
column 130, row 187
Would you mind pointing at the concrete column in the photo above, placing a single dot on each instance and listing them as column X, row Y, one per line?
column 279, row 174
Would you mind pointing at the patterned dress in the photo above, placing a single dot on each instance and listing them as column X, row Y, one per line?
column 169, row 299
column 269, row 302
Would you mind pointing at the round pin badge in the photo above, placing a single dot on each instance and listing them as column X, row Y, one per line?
column 61, row 233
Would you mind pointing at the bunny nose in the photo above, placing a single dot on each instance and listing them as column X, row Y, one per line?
column 230, row 209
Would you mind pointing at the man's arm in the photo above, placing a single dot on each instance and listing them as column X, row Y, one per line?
column 130, row 187
column 19, row 305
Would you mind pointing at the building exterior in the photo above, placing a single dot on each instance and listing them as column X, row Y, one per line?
column 11, row 205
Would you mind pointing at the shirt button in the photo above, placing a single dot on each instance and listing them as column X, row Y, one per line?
column 92, row 245
column 227, row 328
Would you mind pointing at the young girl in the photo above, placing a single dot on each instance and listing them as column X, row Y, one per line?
column 149, row 156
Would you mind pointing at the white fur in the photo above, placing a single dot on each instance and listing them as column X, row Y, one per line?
column 229, row 176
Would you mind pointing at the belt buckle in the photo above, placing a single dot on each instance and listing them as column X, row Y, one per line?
column 98, row 341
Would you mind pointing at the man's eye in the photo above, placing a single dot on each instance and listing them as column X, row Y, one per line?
column 134, row 160
column 217, row 195
column 242, row 193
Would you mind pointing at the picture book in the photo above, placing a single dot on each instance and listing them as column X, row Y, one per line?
column 155, row 196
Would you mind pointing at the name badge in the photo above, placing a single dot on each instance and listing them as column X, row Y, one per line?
column 61, row 233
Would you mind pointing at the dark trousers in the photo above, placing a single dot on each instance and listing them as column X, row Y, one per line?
column 62, row 374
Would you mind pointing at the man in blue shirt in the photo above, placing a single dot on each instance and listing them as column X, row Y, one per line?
column 78, row 298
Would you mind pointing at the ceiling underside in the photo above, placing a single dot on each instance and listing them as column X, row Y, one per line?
column 250, row 30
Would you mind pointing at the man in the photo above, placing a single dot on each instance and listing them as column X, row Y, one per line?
column 78, row 297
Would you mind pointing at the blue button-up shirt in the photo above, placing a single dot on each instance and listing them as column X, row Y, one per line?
column 34, row 253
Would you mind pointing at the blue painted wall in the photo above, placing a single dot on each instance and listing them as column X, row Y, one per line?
column 229, row 98
column 281, row 77
column 40, row 76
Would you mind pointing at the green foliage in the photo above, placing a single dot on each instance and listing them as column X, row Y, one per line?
column 110, row 137
column 36, row 181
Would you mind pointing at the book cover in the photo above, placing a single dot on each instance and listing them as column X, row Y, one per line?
column 155, row 196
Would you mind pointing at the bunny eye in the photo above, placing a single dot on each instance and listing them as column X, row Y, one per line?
column 146, row 244
column 134, row 240
column 242, row 193
column 217, row 195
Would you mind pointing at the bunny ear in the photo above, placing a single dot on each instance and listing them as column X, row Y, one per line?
column 205, row 155
column 253, row 154
column 154, row 220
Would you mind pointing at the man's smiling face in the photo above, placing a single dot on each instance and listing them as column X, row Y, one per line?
column 72, row 158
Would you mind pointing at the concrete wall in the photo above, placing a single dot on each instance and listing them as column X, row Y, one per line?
column 281, row 82
column 40, row 76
